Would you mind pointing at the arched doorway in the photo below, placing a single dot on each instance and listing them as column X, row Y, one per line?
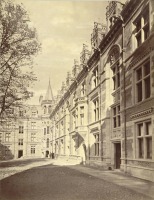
column 47, row 154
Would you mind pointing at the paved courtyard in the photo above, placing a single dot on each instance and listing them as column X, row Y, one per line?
column 47, row 179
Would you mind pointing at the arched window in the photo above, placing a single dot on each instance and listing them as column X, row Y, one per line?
column 114, row 60
column 114, row 54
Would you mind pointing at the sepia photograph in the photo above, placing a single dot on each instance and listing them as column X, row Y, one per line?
column 76, row 100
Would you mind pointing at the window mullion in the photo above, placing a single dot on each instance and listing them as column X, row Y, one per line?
column 142, row 31
column 144, row 141
column 143, row 84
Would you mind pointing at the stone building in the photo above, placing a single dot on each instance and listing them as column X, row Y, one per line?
column 104, row 115
column 26, row 133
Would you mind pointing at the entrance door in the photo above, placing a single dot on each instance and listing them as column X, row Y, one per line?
column 117, row 155
column 20, row 153
column 47, row 154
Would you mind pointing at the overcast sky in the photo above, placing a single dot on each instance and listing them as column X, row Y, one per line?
column 63, row 27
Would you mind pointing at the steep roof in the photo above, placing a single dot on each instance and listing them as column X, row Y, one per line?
column 49, row 95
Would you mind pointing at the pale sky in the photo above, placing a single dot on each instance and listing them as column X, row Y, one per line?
column 63, row 27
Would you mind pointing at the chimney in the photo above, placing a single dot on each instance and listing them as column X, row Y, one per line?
column 99, row 31
column 76, row 68
column 84, row 55
column 113, row 11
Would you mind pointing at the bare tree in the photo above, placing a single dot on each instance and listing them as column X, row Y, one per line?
column 18, row 45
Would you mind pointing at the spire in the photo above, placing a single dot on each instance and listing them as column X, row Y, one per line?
column 49, row 95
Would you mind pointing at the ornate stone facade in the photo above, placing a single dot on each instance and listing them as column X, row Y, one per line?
column 107, row 109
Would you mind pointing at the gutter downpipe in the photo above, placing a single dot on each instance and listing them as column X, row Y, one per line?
column 124, row 85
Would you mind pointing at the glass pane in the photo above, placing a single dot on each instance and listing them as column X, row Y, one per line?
column 139, row 74
column 141, row 149
column 146, row 31
column 148, row 128
column 140, row 129
column 146, row 16
column 118, row 109
column 147, row 87
column 114, row 111
column 114, row 83
column 138, row 38
column 147, row 68
column 139, row 92
column 149, row 147
column 138, row 25
column 114, row 122
column 119, row 123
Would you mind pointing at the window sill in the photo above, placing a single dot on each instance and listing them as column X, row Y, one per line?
column 139, row 159
column 143, row 101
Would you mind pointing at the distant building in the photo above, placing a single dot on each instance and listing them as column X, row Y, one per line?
column 104, row 115
column 26, row 133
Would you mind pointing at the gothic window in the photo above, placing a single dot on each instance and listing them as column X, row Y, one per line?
column 21, row 129
column 143, row 86
column 20, row 142
column 144, row 140
column 96, row 109
column 114, row 56
column 32, row 149
column 97, row 144
column 116, row 116
column 33, row 137
column 33, row 125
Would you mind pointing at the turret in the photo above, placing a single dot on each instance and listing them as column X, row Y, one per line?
column 47, row 103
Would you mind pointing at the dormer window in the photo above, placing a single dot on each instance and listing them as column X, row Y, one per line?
column 142, row 29
column 114, row 59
